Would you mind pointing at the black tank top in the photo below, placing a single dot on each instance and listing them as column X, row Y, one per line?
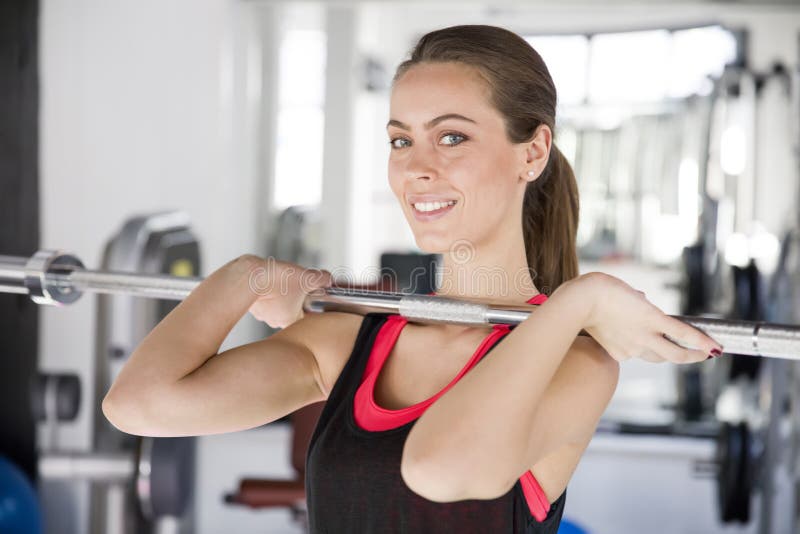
column 353, row 482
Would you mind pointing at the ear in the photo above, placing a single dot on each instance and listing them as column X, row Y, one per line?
column 535, row 153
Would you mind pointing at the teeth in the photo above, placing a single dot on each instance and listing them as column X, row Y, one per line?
column 432, row 206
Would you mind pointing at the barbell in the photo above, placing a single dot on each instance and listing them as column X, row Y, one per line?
column 53, row 277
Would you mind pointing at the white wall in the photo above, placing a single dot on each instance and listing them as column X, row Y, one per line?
column 145, row 106
column 139, row 114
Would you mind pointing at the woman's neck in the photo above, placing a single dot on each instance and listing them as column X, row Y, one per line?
column 489, row 276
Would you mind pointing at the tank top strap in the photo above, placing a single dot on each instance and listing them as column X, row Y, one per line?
column 371, row 417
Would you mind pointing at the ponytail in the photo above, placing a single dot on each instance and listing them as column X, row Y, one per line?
column 550, row 224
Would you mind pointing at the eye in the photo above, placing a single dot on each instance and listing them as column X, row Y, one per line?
column 459, row 138
column 393, row 142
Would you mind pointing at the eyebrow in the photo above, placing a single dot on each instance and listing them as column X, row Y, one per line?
column 432, row 123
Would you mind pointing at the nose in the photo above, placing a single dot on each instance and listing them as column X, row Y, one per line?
column 420, row 163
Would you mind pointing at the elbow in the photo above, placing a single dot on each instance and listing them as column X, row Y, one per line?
column 113, row 413
column 126, row 415
column 421, row 479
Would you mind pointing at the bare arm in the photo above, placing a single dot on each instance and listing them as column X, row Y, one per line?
column 541, row 389
column 491, row 409
column 176, row 384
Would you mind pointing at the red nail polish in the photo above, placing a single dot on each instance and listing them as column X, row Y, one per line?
column 716, row 352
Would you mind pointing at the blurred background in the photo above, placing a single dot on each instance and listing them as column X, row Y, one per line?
column 174, row 136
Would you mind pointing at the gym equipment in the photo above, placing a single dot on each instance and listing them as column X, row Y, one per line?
column 96, row 467
column 137, row 485
column 54, row 398
column 260, row 493
column 568, row 527
column 162, row 468
column 57, row 396
column 410, row 273
column 693, row 292
column 165, row 476
column 752, row 440
column 735, row 459
column 19, row 508
column 158, row 495
column 52, row 280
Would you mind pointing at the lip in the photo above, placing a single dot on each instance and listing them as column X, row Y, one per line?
column 431, row 216
column 413, row 199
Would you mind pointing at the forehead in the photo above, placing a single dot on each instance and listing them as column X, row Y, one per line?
column 430, row 89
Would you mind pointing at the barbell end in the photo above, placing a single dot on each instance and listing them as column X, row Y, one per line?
column 43, row 290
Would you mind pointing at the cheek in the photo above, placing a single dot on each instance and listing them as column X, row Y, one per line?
column 393, row 175
column 492, row 191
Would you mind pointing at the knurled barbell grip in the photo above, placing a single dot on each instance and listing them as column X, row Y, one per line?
column 737, row 337
column 54, row 277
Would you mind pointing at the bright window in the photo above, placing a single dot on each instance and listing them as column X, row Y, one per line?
column 635, row 67
column 629, row 67
column 301, row 119
column 566, row 57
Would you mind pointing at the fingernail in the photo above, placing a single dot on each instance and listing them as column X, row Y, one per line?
column 715, row 352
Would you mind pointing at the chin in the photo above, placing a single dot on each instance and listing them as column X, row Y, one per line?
column 431, row 245
column 440, row 244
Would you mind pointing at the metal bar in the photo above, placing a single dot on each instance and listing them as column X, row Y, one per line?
column 750, row 338
column 137, row 285
column 106, row 467
column 12, row 274
column 16, row 273
column 61, row 278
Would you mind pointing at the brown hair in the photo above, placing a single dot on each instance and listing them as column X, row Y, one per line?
column 524, row 94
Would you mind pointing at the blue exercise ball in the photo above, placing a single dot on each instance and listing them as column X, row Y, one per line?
column 19, row 508
column 568, row 527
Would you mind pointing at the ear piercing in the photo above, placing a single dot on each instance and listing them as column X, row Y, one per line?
column 531, row 173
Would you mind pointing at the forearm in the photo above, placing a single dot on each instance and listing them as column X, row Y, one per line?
column 485, row 420
column 193, row 331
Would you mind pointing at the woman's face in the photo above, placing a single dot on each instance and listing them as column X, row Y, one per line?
column 449, row 144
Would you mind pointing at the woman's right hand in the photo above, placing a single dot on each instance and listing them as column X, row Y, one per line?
column 282, row 288
column 627, row 325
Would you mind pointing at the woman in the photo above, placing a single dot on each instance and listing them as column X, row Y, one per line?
column 423, row 430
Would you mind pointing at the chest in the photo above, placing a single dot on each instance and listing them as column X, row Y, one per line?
column 419, row 366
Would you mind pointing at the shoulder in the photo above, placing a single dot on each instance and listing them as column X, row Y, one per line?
column 331, row 337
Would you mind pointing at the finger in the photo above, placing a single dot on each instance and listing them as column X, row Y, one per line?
column 652, row 357
column 315, row 278
column 675, row 353
column 326, row 278
column 687, row 335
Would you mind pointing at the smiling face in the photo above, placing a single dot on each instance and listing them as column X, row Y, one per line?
column 449, row 144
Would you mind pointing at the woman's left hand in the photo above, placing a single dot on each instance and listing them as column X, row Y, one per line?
column 627, row 325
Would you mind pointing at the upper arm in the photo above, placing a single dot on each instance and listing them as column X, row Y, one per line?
column 562, row 425
column 573, row 402
column 243, row 387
